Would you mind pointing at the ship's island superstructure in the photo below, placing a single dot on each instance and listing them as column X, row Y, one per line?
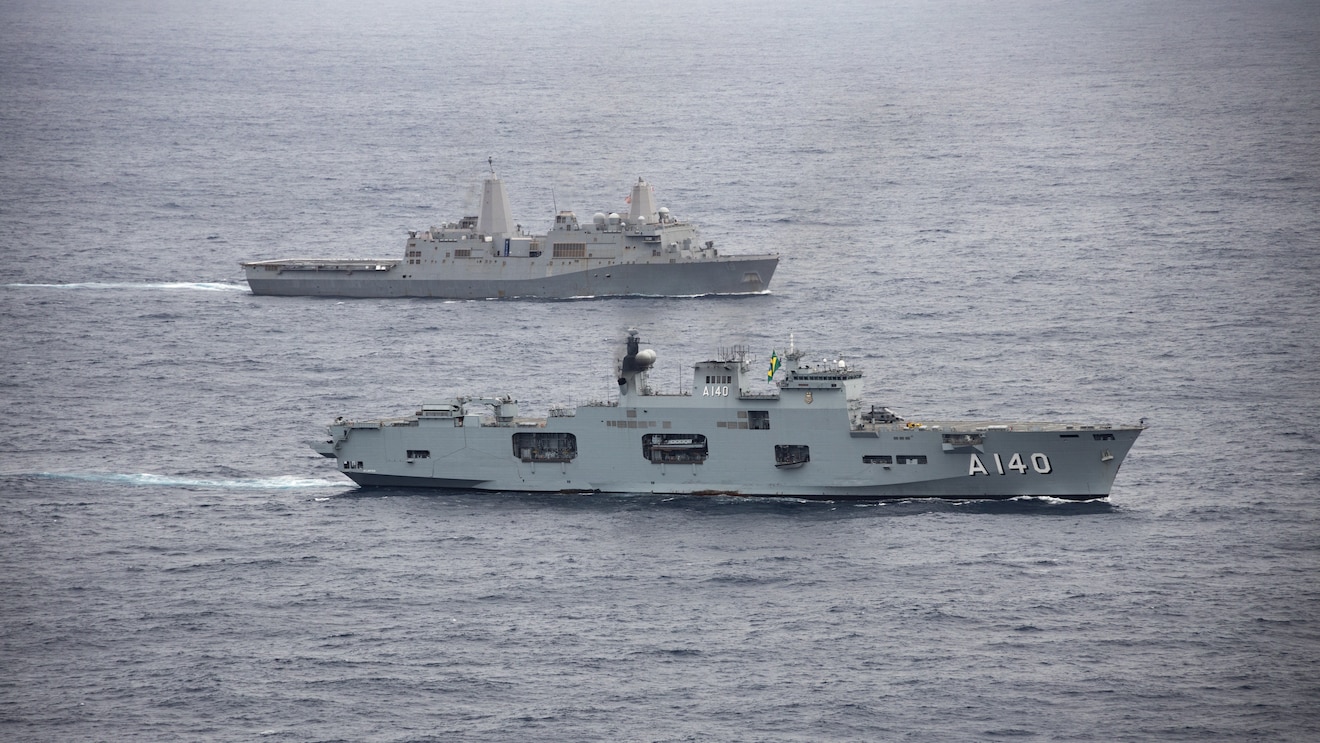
column 647, row 252
column 808, row 435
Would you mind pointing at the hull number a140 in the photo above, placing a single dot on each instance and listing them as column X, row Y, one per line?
column 1039, row 462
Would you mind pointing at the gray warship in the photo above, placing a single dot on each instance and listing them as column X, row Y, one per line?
column 647, row 252
column 800, row 432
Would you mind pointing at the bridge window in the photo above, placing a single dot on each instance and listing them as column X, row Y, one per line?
column 419, row 454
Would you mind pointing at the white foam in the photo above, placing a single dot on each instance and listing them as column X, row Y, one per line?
column 281, row 482
column 175, row 285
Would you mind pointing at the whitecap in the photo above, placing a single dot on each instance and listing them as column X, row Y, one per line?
column 208, row 286
column 279, row 482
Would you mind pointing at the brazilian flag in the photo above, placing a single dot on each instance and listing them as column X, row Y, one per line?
column 774, row 366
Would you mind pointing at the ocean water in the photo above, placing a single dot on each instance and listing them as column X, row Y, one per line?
column 1024, row 209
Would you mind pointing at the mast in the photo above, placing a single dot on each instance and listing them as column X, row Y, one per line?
column 496, row 216
column 642, row 204
column 633, row 367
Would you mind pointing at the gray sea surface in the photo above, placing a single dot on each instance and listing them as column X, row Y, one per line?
column 1023, row 209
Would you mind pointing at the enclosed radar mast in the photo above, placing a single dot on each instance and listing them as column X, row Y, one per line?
column 495, row 217
column 642, row 204
column 633, row 367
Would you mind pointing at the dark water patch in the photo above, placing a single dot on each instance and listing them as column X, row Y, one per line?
column 742, row 580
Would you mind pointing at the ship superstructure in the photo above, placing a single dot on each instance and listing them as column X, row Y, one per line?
column 805, row 435
column 647, row 252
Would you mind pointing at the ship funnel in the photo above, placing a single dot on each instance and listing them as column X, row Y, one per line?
column 495, row 218
column 642, row 204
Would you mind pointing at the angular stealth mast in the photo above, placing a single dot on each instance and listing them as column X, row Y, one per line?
column 495, row 217
column 642, row 204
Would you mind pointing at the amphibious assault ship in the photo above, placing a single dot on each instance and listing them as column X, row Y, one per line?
column 647, row 252
column 803, row 432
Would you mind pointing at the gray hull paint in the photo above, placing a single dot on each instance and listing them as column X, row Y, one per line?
column 648, row 252
column 743, row 435
column 742, row 463
column 581, row 278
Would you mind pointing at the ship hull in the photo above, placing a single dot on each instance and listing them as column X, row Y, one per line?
column 883, row 464
column 648, row 252
column 867, row 495
column 808, row 438
column 563, row 279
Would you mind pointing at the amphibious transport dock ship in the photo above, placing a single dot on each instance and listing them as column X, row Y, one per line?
column 647, row 252
column 803, row 432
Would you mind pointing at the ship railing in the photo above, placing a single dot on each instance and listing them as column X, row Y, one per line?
column 313, row 264
column 376, row 422
column 980, row 427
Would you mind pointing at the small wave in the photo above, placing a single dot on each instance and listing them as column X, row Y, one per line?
column 1042, row 499
column 171, row 285
column 282, row 482
column 1037, row 504
column 1027, row 499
